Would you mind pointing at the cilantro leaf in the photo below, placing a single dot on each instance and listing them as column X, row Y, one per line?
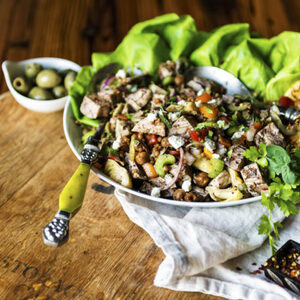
column 252, row 153
column 265, row 226
column 265, row 201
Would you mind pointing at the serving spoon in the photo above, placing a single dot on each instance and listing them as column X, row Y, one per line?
column 56, row 232
column 71, row 197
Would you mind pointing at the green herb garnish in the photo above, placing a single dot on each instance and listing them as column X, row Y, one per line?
column 284, row 192
column 165, row 120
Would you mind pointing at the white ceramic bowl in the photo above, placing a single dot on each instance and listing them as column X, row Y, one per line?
column 73, row 136
column 13, row 69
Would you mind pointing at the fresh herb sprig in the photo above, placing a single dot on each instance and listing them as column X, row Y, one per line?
column 284, row 190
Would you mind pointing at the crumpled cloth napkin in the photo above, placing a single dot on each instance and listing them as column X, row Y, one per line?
column 211, row 250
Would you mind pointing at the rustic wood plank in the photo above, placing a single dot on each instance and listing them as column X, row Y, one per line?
column 43, row 137
column 107, row 256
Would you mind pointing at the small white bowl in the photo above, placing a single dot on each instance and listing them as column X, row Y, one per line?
column 13, row 69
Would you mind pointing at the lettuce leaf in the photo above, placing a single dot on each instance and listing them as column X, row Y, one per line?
column 268, row 66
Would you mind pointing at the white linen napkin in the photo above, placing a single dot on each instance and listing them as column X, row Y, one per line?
column 204, row 247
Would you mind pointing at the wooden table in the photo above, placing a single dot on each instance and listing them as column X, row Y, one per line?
column 107, row 256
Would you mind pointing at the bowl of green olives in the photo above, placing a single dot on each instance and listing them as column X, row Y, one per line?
column 40, row 84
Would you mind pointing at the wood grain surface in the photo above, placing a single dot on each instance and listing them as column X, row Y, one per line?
column 107, row 256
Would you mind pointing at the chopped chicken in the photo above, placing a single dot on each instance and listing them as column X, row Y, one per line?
column 110, row 95
column 270, row 135
column 182, row 127
column 139, row 99
column 237, row 158
column 254, row 180
column 93, row 107
column 147, row 125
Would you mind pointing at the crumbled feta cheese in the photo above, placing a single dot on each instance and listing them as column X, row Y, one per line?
column 212, row 101
column 210, row 144
column 176, row 141
column 155, row 192
column 215, row 155
column 187, row 185
column 137, row 71
column 198, row 103
column 152, row 117
column 121, row 73
column 222, row 124
column 117, row 143
column 182, row 102
column 173, row 116
column 237, row 135
column 200, row 92
column 168, row 178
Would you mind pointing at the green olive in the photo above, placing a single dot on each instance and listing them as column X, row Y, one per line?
column 32, row 69
column 21, row 85
column 48, row 79
column 59, row 91
column 69, row 79
column 38, row 93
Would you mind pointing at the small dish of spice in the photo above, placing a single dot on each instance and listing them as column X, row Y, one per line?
column 284, row 266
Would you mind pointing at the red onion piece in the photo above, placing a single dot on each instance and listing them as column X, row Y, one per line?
column 180, row 165
column 107, row 82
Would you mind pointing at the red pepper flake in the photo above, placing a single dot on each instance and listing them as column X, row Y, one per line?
column 256, row 272
column 194, row 135
column 254, row 264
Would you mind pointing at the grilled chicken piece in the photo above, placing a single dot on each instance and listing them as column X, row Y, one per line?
column 167, row 69
column 111, row 95
column 270, row 135
column 253, row 179
column 139, row 99
column 182, row 127
column 93, row 107
column 222, row 181
column 237, row 159
column 147, row 125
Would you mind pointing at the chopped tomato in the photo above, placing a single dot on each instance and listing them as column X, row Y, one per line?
column 151, row 139
column 224, row 142
column 207, row 153
column 174, row 152
column 209, row 111
column 286, row 101
column 203, row 133
column 122, row 117
column 257, row 125
column 204, row 98
column 194, row 135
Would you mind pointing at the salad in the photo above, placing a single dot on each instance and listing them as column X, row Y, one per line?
column 186, row 140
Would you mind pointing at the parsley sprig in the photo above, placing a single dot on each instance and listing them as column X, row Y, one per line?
column 284, row 190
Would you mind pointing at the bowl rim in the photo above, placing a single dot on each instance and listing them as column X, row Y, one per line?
column 29, row 60
column 132, row 192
